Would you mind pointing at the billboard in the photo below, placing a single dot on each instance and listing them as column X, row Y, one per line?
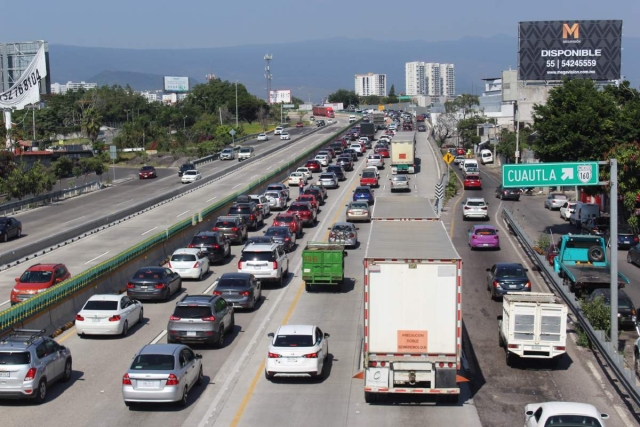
column 337, row 106
column 280, row 96
column 552, row 50
column 176, row 84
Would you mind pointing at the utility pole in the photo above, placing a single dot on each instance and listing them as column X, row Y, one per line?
column 184, row 123
column 517, row 117
column 236, row 104
column 268, row 57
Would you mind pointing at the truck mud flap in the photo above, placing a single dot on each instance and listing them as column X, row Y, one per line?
column 446, row 378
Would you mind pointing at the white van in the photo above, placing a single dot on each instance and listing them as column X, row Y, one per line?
column 469, row 162
column 486, row 156
column 582, row 212
column 352, row 119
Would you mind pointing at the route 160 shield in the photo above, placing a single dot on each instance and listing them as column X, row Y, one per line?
column 585, row 172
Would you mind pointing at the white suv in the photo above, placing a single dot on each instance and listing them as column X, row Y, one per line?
column 266, row 261
column 475, row 207
column 245, row 153
column 278, row 130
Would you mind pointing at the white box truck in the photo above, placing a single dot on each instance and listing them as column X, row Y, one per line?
column 533, row 325
column 403, row 152
column 412, row 304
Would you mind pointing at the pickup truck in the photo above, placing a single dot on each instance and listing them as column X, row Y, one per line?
column 583, row 264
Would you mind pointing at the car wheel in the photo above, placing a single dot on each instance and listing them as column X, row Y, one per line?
column 125, row 328
column 232, row 324
column 307, row 287
column 41, row 392
column 66, row 376
column 185, row 398
column 281, row 281
column 5, row 237
column 141, row 316
column 220, row 341
column 201, row 275
column 19, row 232
column 267, row 376
column 200, row 379
column 167, row 296
column 629, row 260
column 179, row 286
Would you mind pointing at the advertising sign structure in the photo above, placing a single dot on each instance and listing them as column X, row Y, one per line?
column 26, row 90
column 337, row 106
column 176, row 84
column 552, row 50
column 280, row 96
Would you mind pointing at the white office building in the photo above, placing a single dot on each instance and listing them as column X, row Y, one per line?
column 71, row 86
column 430, row 79
column 371, row 84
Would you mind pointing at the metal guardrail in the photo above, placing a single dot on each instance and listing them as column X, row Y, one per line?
column 625, row 376
column 63, row 290
column 49, row 197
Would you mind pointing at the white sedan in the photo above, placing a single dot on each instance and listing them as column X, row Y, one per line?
column 108, row 315
column 563, row 414
column 263, row 137
column 285, row 135
column 323, row 159
column 306, row 171
column 189, row 263
column 297, row 351
column 296, row 177
column 191, row 176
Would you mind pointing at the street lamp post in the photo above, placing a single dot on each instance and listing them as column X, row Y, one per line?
column 184, row 122
column 236, row 104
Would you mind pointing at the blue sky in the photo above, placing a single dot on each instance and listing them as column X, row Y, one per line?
column 193, row 23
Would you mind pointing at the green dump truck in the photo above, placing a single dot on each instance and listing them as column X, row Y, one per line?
column 322, row 264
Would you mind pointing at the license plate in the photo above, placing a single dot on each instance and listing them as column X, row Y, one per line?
column 513, row 286
column 4, row 374
column 144, row 287
column 237, row 306
column 96, row 320
column 537, row 347
column 292, row 360
column 191, row 334
column 149, row 384
column 485, row 244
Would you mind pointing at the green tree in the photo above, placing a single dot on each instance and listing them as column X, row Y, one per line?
column 507, row 144
column 16, row 184
column 223, row 135
column 62, row 168
column 466, row 105
column 391, row 98
column 347, row 97
column 392, row 90
column 39, row 179
column 578, row 122
column 91, row 123
column 372, row 100
column 628, row 156
column 468, row 130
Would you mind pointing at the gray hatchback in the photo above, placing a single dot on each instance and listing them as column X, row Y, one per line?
column 29, row 363
column 242, row 290
column 201, row 319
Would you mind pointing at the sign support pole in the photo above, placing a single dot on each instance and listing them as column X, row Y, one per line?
column 613, row 239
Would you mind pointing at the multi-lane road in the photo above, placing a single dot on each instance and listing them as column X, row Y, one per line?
column 235, row 391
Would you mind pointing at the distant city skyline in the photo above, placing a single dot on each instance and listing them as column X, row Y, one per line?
column 197, row 24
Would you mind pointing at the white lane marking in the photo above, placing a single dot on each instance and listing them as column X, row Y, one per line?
column 214, row 197
column 159, row 337
column 5, row 302
column 270, row 167
column 253, row 176
column 71, row 220
column 91, row 260
column 148, row 231
column 210, row 288
column 183, row 213
column 236, row 186
column 118, row 204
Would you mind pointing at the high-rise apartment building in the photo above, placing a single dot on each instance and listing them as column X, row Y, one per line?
column 430, row 78
column 371, row 84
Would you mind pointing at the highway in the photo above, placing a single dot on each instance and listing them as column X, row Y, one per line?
column 101, row 246
column 43, row 222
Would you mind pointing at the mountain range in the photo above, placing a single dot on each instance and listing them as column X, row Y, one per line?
column 311, row 69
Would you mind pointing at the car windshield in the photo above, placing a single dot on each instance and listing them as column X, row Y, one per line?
column 298, row 208
column 326, row 176
column 559, row 197
column 274, row 187
column 257, row 256
column 511, row 272
column 15, row 358
column 225, row 224
column 486, row 232
column 277, row 231
column 625, row 229
column 36, row 277
column 259, row 239
column 4, row 221
column 101, row 305
column 293, row 341
column 342, row 227
column 362, row 191
column 400, row 178
column 148, row 274
column 368, row 174
column 272, row 195
column 228, row 150
column 183, row 257
column 245, row 150
column 571, row 421
column 475, row 203
column 285, row 219
column 203, row 240
column 191, row 173
column 187, row 166
column 359, row 206
column 232, row 283
column 146, row 168
column 153, row 362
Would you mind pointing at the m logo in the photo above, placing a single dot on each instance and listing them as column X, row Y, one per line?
column 573, row 30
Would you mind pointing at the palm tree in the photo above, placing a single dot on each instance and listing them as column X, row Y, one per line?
column 91, row 123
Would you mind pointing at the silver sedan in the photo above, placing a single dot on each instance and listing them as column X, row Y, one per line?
column 328, row 180
column 358, row 211
column 162, row 373
column 344, row 233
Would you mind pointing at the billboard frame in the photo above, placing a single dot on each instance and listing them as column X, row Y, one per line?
column 275, row 97
column 177, row 80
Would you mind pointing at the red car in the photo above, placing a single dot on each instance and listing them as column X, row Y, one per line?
column 344, row 141
column 314, row 166
column 384, row 152
column 552, row 252
column 333, row 153
column 304, row 211
column 287, row 219
column 38, row 278
column 147, row 172
column 460, row 151
column 472, row 182
column 299, row 125
column 370, row 178
column 309, row 198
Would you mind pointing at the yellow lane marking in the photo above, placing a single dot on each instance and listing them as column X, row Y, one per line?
column 66, row 337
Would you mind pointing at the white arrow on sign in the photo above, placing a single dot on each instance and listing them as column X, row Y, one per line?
column 567, row 173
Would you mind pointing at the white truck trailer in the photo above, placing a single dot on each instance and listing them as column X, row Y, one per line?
column 412, row 303
column 403, row 152
column 533, row 325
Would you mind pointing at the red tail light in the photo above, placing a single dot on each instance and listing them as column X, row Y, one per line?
column 275, row 265
column 126, row 380
column 260, row 206
column 466, row 208
column 172, row 317
column 31, row 374
column 374, row 364
column 130, row 286
column 190, row 245
column 495, row 237
column 496, row 284
column 159, row 286
column 115, row 318
column 352, row 235
column 474, row 237
column 252, row 217
column 484, row 208
column 559, row 348
column 239, row 265
column 234, row 229
column 273, row 356
column 196, row 265
column 635, row 239
column 528, row 285
column 286, row 239
column 215, row 229
column 217, row 293
column 332, row 234
column 209, row 319
column 244, row 293
column 216, row 246
column 311, row 356
column 80, row 318
column 172, row 380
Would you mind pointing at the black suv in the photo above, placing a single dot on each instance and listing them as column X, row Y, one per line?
column 338, row 170
column 232, row 227
column 320, row 123
column 186, row 167
column 201, row 318
column 250, row 212
column 216, row 246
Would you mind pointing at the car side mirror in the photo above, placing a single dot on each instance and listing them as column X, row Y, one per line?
column 17, row 279
column 604, row 416
column 488, row 269
column 528, row 413
column 198, row 356
column 326, row 335
column 270, row 335
column 59, row 280
column 526, row 269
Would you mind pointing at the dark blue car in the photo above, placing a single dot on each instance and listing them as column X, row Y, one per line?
column 627, row 238
column 363, row 193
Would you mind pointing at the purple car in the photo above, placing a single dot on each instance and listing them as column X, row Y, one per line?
column 484, row 236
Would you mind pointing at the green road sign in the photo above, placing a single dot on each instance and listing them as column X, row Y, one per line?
column 550, row 174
